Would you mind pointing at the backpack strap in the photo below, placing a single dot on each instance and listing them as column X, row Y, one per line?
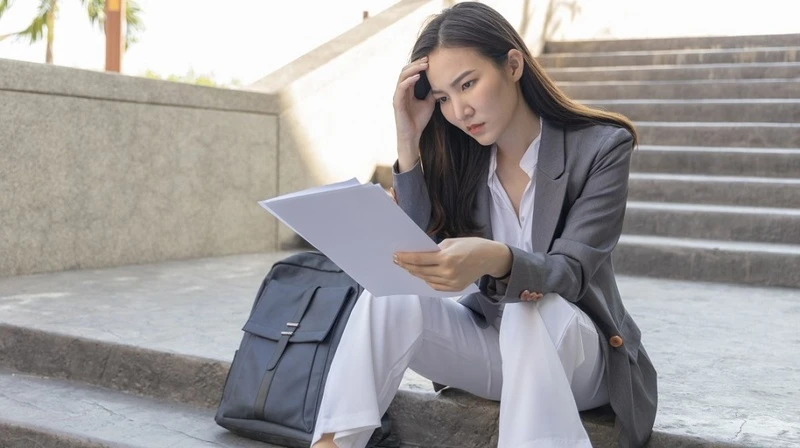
column 283, row 342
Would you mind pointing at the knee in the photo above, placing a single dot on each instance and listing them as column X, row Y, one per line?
column 521, row 321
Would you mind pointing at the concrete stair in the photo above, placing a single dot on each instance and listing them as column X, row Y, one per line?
column 716, row 161
column 715, row 185
column 771, row 70
column 771, row 110
column 136, row 356
column 674, row 43
column 692, row 89
column 671, row 57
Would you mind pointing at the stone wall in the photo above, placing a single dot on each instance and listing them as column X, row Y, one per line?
column 102, row 170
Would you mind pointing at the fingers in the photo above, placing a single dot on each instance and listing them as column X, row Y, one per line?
column 417, row 258
column 413, row 69
column 428, row 272
column 527, row 296
column 408, row 77
column 408, row 83
column 393, row 195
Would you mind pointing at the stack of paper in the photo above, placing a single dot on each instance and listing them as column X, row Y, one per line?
column 359, row 228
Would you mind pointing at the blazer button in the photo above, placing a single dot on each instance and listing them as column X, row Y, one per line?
column 615, row 341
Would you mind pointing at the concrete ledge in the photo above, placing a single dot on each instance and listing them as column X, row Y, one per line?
column 17, row 435
column 76, row 415
column 673, row 43
column 55, row 80
column 105, row 170
column 163, row 375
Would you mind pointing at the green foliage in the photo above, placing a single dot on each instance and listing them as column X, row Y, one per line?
column 95, row 10
column 204, row 79
column 35, row 30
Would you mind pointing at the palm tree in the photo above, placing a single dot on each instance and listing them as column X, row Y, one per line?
column 48, row 11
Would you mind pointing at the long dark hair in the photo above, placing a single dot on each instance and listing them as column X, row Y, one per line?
column 454, row 164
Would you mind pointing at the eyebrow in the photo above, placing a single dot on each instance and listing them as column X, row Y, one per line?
column 456, row 81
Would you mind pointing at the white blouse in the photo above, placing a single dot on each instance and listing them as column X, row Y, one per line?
column 506, row 227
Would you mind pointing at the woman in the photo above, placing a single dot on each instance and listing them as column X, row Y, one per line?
column 526, row 191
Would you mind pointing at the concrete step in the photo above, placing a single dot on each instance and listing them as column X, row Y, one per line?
column 671, row 57
column 50, row 412
column 751, row 162
column 719, row 134
column 713, row 222
column 171, row 376
column 709, row 261
column 673, row 43
column 771, row 70
column 721, row 190
column 693, row 89
column 704, row 110
column 161, row 331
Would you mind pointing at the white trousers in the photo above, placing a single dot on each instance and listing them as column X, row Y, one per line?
column 544, row 365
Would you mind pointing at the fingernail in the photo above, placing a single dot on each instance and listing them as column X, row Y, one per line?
column 424, row 58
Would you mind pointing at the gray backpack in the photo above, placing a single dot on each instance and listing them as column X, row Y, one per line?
column 275, row 383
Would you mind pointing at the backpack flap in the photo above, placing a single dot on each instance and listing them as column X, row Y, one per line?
column 277, row 312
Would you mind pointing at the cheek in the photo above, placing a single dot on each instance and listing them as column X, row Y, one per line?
column 488, row 100
column 447, row 112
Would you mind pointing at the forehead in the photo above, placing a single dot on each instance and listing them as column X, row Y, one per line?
column 445, row 64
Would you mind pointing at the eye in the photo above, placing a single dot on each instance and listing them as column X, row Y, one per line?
column 467, row 85
column 441, row 100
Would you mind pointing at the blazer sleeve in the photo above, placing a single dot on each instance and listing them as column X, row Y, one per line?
column 591, row 231
column 412, row 194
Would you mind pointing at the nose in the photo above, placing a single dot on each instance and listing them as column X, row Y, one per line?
column 461, row 110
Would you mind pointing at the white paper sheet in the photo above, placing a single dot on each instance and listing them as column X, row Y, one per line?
column 359, row 227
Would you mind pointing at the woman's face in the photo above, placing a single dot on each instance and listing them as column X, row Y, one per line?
column 474, row 94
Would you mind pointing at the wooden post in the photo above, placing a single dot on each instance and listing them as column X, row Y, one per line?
column 115, row 38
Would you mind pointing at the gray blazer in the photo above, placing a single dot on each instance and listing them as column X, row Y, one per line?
column 579, row 205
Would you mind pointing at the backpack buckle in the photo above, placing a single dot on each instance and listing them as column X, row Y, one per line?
column 293, row 326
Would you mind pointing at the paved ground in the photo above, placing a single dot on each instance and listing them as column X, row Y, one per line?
column 727, row 355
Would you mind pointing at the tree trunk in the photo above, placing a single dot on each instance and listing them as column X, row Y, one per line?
column 51, row 20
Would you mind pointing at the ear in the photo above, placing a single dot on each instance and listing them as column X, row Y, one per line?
column 515, row 64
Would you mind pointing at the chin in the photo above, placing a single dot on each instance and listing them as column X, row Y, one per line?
column 485, row 140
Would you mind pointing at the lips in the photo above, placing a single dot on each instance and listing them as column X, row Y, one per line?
column 475, row 127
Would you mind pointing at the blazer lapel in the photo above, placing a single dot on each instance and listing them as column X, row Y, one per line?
column 551, row 186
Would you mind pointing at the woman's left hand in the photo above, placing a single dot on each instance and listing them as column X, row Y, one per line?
column 460, row 262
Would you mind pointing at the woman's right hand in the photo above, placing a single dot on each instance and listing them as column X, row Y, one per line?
column 411, row 115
